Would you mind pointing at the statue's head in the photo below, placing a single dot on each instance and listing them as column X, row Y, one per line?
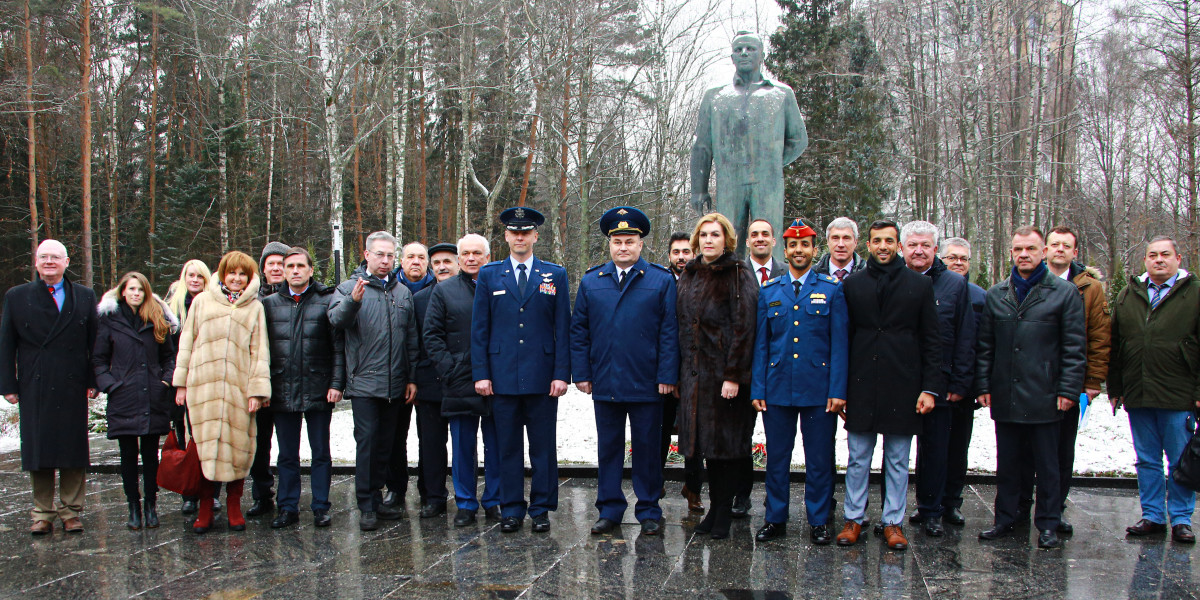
column 747, row 52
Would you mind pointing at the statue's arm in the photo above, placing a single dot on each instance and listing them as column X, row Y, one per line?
column 702, row 153
column 795, row 139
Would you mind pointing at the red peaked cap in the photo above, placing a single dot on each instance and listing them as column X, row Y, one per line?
column 799, row 229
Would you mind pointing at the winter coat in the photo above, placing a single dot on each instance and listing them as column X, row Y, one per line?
column 447, row 338
column 1095, row 307
column 1029, row 355
column 224, row 361
column 857, row 263
column 381, row 336
column 717, row 322
column 134, row 370
column 1156, row 354
column 895, row 351
column 307, row 353
column 624, row 340
column 429, row 384
column 46, row 358
column 956, row 323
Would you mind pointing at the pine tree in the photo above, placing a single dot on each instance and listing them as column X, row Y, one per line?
column 823, row 51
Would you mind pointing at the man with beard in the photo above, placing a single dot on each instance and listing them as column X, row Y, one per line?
column 895, row 366
column 800, row 361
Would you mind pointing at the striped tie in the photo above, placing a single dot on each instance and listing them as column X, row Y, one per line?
column 1157, row 291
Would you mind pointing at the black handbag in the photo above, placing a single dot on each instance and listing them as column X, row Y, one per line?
column 1187, row 468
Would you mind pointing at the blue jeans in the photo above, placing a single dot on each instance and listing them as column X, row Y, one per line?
column 287, row 433
column 464, row 464
column 895, row 473
column 1155, row 432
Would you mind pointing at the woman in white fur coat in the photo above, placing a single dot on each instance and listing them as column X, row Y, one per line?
column 223, row 374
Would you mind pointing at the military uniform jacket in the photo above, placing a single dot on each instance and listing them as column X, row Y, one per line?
column 520, row 342
column 625, row 342
column 802, row 348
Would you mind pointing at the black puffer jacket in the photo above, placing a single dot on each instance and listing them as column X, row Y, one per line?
column 307, row 353
column 447, row 340
column 1029, row 355
column 131, row 367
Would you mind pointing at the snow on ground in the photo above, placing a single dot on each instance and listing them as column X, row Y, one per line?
column 1104, row 446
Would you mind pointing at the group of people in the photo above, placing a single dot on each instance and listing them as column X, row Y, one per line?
column 897, row 345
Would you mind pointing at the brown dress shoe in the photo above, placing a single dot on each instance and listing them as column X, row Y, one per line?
column 41, row 527
column 73, row 525
column 895, row 538
column 694, row 503
column 1144, row 527
column 1183, row 534
column 849, row 534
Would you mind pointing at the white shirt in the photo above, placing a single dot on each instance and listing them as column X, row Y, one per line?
column 758, row 268
column 528, row 265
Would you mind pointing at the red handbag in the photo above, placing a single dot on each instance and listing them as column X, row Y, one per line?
column 179, row 470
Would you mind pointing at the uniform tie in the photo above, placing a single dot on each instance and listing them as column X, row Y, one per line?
column 1157, row 293
column 621, row 280
column 522, row 280
column 840, row 274
column 796, row 284
column 763, row 278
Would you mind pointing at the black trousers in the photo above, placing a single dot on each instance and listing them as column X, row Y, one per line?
column 962, row 424
column 374, row 423
column 932, row 453
column 433, row 430
column 260, row 470
column 693, row 468
column 397, row 461
column 1042, row 441
column 1067, row 432
column 129, row 445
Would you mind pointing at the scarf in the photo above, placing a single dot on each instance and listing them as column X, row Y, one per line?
column 885, row 276
column 134, row 319
column 1022, row 286
column 233, row 296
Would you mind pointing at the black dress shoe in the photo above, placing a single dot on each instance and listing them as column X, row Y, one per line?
column 368, row 521
column 1048, row 539
column 392, row 499
column 285, row 518
column 261, row 507
column 651, row 527
column 916, row 518
column 933, row 527
column 510, row 525
column 1183, row 534
column 1145, row 527
column 433, row 509
column 821, row 535
column 602, row 525
column 541, row 523
column 741, row 507
column 1065, row 528
column 188, row 508
column 388, row 513
column 493, row 513
column 996, row 532
column 321, row 518
column 954, row 517
column 464, row 517
column 770, row 531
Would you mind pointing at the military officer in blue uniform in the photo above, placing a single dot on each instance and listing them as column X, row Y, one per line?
column 625, row 353
column 521, row 358
column 801, row 357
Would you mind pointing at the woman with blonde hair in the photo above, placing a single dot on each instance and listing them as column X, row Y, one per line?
column 134, row 357
column 193, row 278
column 223, row 375
column 717, row 311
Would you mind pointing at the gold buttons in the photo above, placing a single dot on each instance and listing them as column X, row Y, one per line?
column 795, row 356
column 795, row 339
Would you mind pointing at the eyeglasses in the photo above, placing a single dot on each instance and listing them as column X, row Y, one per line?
column 387, row 255
column 956, row 258
column 50, row 257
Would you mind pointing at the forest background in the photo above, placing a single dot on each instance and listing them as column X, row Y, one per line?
column 209, row 125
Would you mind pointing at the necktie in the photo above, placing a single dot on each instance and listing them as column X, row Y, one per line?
column 1156, row 294
column 840, row 274
column 522, row 280
column 53, row 297
column 296, row 297
column 762, row 279
column 796, row 284
column 621, row 280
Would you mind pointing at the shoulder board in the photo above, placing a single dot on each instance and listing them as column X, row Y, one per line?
column 494, row 263
column 593, row 268
column 660, row 267
column 546, row 262
column 827, row 278
column 772, row 281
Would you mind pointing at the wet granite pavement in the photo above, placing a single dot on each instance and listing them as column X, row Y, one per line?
column 429, row 558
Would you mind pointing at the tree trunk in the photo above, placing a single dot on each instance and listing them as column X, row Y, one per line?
column 85, row 147
column 31, row 124
column 152, row 133
column 358, row 231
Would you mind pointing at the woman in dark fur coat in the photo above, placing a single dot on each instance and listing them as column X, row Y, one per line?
column 717, row 300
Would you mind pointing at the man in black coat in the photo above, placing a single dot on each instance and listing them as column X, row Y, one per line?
column 447, row 342
column 47, row 333
column 1030, row 365
column 308, row 374
column 895, row 374
column 273, row 281
column 956, row 253
column 956, row 322
column 432, row 428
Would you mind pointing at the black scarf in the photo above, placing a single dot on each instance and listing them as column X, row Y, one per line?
column 1022, row 286
column 134, row 319
column 885, row 277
